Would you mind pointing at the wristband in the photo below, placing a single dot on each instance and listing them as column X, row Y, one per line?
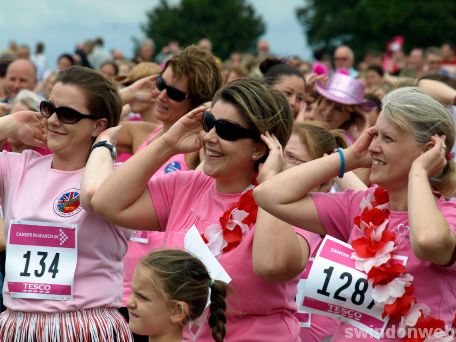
column 342, row 162
column 110, row 147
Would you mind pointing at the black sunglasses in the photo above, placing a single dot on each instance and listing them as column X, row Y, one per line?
column 227, row 130
column 64, row 114
column 173, row 93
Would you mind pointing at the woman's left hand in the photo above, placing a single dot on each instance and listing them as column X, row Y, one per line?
column 274, row 163
column 434, row 159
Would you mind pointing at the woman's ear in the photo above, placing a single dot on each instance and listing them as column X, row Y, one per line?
column 100, row 126
column 260, row 150
column 430, row 144
column 179, row 313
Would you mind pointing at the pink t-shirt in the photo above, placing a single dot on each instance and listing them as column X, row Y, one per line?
column 136, row 250
column 258, row 310
column 434, row 285
column 321, row 327
column 31, row 190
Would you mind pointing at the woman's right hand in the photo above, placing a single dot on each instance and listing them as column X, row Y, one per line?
column 358, row 155
column 142, row 91
column 185, row 135
column 29, row 128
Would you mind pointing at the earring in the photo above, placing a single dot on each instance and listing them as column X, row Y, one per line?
column 253, row 156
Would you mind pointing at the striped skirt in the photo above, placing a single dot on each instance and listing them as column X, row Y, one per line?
column 93, row 325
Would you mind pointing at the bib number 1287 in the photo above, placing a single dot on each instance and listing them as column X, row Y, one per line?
column 358, row 295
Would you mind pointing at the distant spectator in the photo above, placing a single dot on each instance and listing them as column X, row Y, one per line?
column 39, row 59
column 65, row 61
column 83, row 51
column 45, row 87
column 117, row 55
column 145, row 52
column 262, row 49
column 205, row 43
column 21, row 74
column 109, row 69
column 345, row 59
column 99, row 54
column 5, row 60
column 374, row 77
column 414, row 65
column 448, row 55
column 23, row 52
column 433, row 60
column 167, row 52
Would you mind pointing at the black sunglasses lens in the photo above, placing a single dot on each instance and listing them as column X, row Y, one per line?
column 227, row 130
column 208, row 121
column 160, row 83
column 171, row 92
column 67, row 115
column 175, row 94
column 46, row 109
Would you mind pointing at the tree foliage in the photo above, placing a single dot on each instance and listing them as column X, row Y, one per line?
column 231, row 25
column 368, row 24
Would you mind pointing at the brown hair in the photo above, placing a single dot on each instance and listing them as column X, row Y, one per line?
column 102, row 97
column 203, row 72
column 184, row 277
column 264, row 108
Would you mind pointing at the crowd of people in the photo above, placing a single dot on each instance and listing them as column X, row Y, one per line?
column 270, row 158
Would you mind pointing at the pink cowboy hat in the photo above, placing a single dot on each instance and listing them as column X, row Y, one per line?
column 345, row 90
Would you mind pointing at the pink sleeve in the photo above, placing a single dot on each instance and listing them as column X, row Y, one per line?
column 161, row 189
column 337, row 211
column 448, row 210
column 8, row 160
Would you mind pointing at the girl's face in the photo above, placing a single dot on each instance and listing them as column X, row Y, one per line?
column 295, row 152
column 333, row 113
column 149, row 311
column 293, row 87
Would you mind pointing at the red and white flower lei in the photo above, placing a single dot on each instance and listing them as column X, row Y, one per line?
column 392, row 286
column 233, row 224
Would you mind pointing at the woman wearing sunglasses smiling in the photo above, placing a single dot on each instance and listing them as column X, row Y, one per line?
column 262, row 255
column 190, row 78
column 64, row 264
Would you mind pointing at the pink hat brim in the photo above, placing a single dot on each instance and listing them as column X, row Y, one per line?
column 365, row 104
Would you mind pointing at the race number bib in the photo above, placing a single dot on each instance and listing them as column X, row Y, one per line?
column 335, row 288
column 41, row 260
column 140, row 236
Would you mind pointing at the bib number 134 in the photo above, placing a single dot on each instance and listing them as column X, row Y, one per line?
column 41, row 262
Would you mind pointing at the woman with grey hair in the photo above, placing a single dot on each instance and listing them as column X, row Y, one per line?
column 406, row 214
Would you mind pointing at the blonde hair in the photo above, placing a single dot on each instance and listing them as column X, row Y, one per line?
column 411, row 109
column 318, row 138
column 28, row 98
column 203, row 72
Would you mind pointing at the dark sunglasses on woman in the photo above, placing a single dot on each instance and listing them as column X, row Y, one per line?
column 64, row 114
column 173, row 93
column 227, row 130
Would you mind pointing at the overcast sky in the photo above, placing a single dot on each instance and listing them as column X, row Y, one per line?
column 60, row 24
